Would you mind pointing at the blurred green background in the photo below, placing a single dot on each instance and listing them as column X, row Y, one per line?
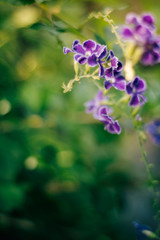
column 61, row 175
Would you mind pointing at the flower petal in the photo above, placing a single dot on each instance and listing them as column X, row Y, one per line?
column 148, row 19
column 143, row 99
column 127, row 33
column 108, row 73
column 107, row 120
column 114, row 62
column 90, row 106
column 156, row 44
column 76, row 56
column 102, row 52
column 142, row 34
column 97, row 48
column 103, row 110
column 135, row 100
column 89, row 45
column 120, row 66
column 156, row 56
column 75, row 43
column 101, row 114
column 82, row 60
column 117, row 127
column 119, row 78
column 120, row 85
column 108, row 58
column 129, row 88
column 92, row 60
column 99, row 96
column 111, row 53
column 101, row 70
column 116, row 73
column 150, row 57
column 111, row 129
column 79, row 49
column 107, row 84
column 66, row 50
column 139, row 84
column 132, row 18
column 147, row 58
column 153, row 129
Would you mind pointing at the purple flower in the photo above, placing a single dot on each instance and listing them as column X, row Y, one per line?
column 151, row 54
column 141, row 35
column 112, row 74
column 127, row 33
column 136, row 30
column 109, row 124
column 133, row 18
column 92, row 105
column 118, row 83
column 136, row 88
column 148, row 20
column 138, row 26
column 101, row 112
column 89, row 52
column 140, row 29
column 143, row 231
column 115, row 66
column 153, row 129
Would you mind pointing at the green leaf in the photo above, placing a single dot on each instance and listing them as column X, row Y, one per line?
column 37, row 26
column 18, row 2
column 11, row 196
column 99, row 39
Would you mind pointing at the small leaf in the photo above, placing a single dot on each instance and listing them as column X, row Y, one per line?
column 37, row 26
column 99, row 39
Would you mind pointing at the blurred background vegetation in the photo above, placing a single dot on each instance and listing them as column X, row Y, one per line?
column 61, row 175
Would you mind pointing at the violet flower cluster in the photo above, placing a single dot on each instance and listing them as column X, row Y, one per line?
column 140, row 29
column 110, row 69
column 153, row 128
column 112, row 74
column 95, row 54
column 101, row 112
column 89, row 52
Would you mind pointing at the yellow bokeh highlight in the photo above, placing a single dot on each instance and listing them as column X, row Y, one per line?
column 54, row 187
column 35, row 121
column 31, row 163
column 129, row 70
column 65, row 159
column 5, row 106
column 27, row 65
column 26, row 16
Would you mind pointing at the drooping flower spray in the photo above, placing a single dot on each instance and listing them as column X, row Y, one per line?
column 140, row 44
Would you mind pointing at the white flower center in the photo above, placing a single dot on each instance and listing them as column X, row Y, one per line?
column 112, row 80
column 88, row 53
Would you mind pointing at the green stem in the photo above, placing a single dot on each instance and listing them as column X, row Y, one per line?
column 152, row 181
column 144, row 158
